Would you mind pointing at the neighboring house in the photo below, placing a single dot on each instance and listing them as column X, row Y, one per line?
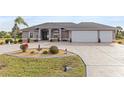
column 67, row 31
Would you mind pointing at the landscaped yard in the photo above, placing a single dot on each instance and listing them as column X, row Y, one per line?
column 14, row 66
column 11, row 40
column 120, row 41
column 44, row 53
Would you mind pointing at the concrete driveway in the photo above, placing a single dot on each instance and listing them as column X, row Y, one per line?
column 101, row 59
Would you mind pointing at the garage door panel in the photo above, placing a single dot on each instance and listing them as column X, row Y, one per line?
column 84, row 36
column 106, row 36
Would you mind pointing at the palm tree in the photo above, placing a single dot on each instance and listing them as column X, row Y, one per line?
column 119, row 29
column 18, row 21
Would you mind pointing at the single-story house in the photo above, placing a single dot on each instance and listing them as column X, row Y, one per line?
column 68, row 31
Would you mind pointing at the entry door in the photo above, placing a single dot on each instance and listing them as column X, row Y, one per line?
column 44, row 35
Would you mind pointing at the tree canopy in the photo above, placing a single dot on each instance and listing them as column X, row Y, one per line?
column 18, row 21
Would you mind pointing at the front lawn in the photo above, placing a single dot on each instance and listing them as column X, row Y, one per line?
column 45, row 67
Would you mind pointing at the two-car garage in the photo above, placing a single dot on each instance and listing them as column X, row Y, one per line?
column 92, row 36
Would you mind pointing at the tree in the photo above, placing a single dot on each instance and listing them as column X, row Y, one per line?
column 2, row 34
column 7, row 36
column 119, row 30
column 15, row 30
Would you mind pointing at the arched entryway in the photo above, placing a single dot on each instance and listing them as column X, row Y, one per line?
column 44, row 34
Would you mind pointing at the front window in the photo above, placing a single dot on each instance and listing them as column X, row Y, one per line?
column 55, row 33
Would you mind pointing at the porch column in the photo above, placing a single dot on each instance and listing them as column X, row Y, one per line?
column 60, row 34
column 28, row 34
column 49, row 34
column 39, row 34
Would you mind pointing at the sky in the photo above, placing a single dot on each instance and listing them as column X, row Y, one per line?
column 7, row 22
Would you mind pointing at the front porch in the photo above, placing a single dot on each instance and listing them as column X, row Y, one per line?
column 54, row 34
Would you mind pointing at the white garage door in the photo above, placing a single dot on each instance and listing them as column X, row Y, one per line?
column 106, row 36
column 84, row 36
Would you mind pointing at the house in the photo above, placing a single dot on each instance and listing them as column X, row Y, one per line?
column 68, row 31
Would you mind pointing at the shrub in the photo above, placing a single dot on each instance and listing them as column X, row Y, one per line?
column 1, row 43
column 20, row 41
column 24, row 47
column 15, row 42
column 7, row 36
column 53, row 50
column 8, row 40
column 32, row 52
column 120, row 42
column 45, row 52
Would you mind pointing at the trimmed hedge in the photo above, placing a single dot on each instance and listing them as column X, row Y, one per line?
column 20, row 41
column 15, row 42
column 8, row 40
column 1, row 43
column 53, row 50
column 45, row 52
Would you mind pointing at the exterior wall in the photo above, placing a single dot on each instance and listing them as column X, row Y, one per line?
column 35, row 35
column 106, row 36
column 65, row 35
column 25, row 35
column 76, row 36
column 84, row 36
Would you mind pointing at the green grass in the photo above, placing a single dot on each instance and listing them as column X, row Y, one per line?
column 49, row 67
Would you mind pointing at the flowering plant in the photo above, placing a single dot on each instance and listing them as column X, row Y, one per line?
column 24, row 47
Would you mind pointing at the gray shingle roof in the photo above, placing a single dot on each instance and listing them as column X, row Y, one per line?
column 83, row 26
column 57, row 24
column 93, row 25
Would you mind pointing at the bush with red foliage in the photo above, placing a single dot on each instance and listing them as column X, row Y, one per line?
column 24, row 47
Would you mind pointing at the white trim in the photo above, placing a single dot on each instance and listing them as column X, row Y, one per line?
column 49, row 34
column 39, row 34
column 60, row 34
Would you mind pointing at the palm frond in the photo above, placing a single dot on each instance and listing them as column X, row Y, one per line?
column 19, row 20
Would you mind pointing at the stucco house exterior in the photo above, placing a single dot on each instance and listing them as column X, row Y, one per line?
column 72, row 32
